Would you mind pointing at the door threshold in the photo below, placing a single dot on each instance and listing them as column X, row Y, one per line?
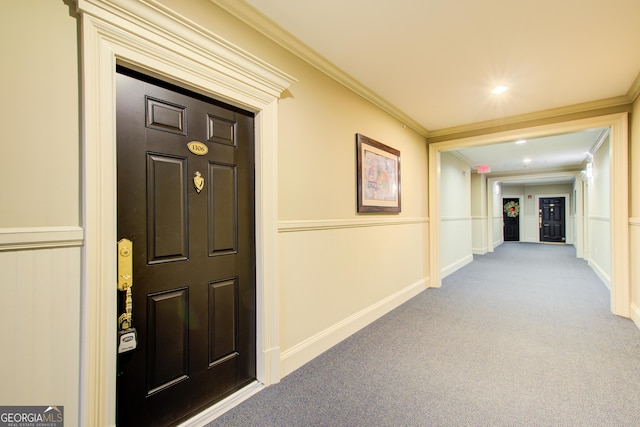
column 230, row 402
column 554, row 243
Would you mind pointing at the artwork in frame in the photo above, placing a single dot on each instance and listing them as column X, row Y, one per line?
column 378, row 176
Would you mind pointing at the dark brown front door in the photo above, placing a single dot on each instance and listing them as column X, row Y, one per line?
column 511, row 219
column 552, row 225
column 190, row 215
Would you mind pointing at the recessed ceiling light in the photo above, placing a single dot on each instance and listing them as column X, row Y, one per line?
column 499, row 90
column 526, row 160
column 521, row 141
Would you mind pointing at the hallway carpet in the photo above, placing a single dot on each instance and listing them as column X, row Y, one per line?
column 523, row 336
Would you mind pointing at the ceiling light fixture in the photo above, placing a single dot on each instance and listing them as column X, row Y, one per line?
column 498, row 90
column 521, row 141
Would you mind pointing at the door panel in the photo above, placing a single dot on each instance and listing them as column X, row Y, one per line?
column 193, row 250
column 222, row 131
column 166, row 208
column 162, row 115
column 223, row 215
column 511, row 224
column 223, row 298
column 168, row 346
column 552, row 219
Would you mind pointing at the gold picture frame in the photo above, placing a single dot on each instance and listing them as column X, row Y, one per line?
column 378, row 176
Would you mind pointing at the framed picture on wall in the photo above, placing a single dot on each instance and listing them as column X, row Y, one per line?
column 378, row 176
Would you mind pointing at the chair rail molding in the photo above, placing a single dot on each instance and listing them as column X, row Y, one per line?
column 40, row 237
column 334, row 224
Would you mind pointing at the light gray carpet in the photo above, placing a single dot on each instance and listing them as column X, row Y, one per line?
column 521, row 336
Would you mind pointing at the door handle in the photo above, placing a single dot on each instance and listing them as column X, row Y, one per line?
column 126, row 334
column 125, row 280
column 125, row 264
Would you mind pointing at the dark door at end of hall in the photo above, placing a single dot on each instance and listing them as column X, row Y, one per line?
column 189, row 210
column 511, row 219
column 552, row 223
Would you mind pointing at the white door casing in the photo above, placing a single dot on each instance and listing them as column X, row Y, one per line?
column 619, row 134
column 148, row 37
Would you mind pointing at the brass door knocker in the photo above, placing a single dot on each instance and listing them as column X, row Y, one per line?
column 198, row 182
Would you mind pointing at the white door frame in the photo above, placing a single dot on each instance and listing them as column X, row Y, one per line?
column 568, row 231
column 159, row 42
column 618, row 123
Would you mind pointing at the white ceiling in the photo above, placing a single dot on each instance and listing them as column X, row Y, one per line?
column 436, row 60
column 555, row 152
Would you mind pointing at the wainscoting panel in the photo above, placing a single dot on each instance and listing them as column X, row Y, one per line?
column 479, row 235
column 338, row 276
column 600, row 247
column 531, row 229
column 40, row 279
column 498, row 237
column 634, row 265
column 455, row 244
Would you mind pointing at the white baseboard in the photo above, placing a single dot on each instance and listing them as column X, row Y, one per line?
column 312, row 347
column 479, row 251
column 530, row 240
column 601, row 274
column 635, row 314
column 456, row 266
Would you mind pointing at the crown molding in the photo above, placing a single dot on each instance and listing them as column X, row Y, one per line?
column 634, row 90
column 557, row 175
column 184, row 38
column 259, row 22
column 457, row 154
column 619, row 104
column 601, row 138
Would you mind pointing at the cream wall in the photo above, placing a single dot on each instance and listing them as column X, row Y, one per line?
column 40, row 234
column 40, row 149
column 634, row 205
column 338, row 270
column 336, row 265
column 479, row 242
column 599, row 214
column 580, row 198
column 455, row 214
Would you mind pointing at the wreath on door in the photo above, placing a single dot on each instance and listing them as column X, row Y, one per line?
column 512, row 209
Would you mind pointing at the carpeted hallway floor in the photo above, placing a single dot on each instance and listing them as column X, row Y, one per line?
column 521, row 336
